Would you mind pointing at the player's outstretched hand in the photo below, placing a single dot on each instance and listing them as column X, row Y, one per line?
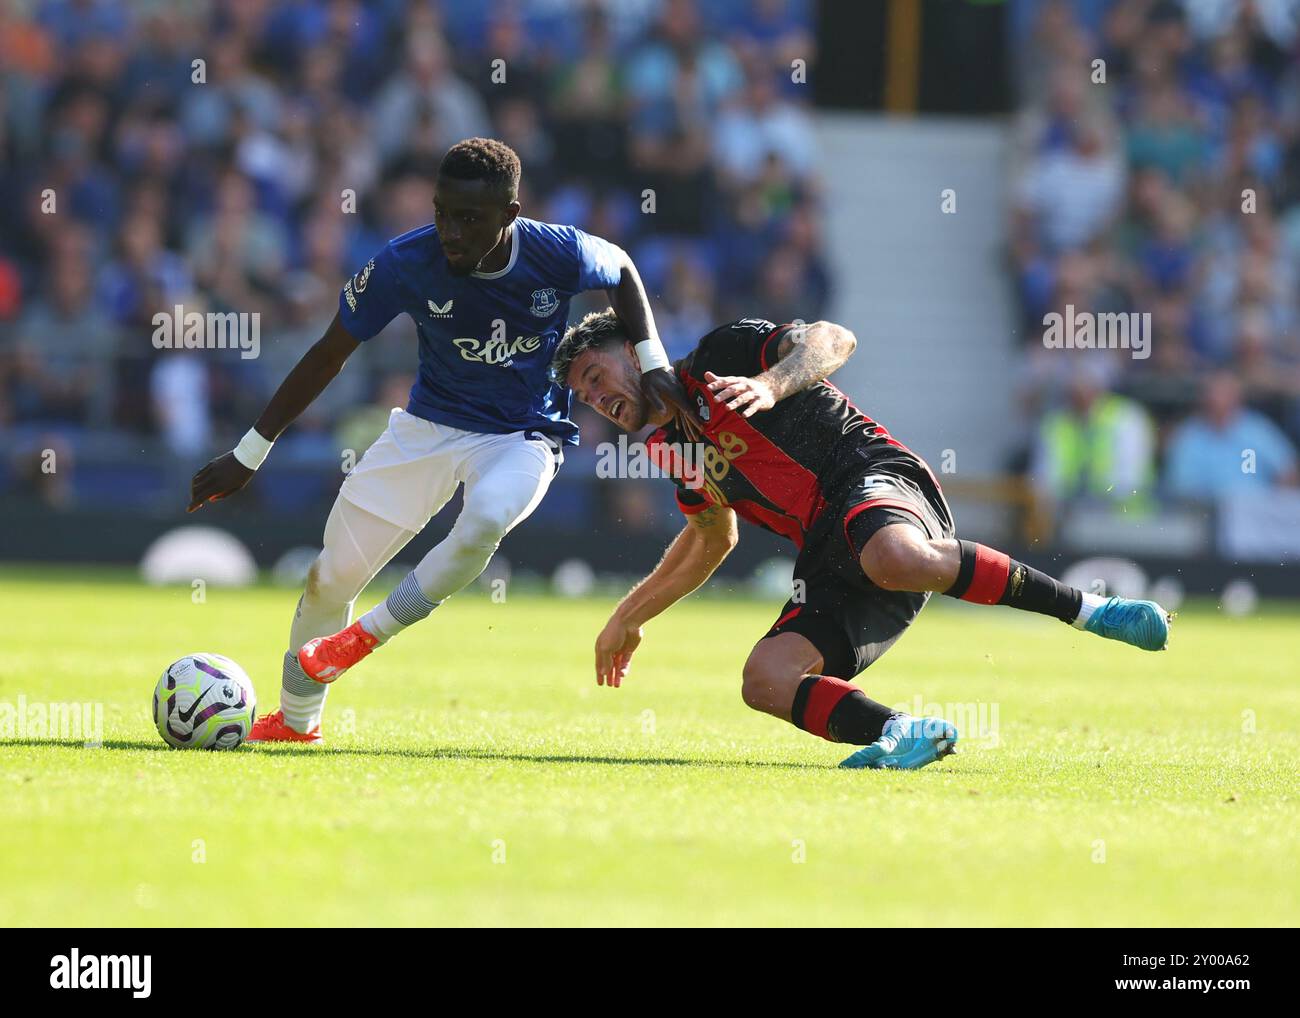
column 663, row 389
column 614, row 647
column 224, row 476
column 753, row 394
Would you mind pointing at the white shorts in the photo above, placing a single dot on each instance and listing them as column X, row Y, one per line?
column 415, row 466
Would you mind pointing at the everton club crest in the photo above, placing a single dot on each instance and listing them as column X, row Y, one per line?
column 545, row 302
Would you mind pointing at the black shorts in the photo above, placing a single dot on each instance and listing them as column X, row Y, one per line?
column 835, row 606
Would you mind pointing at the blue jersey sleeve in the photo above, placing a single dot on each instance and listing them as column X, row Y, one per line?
column 600, row 263
column 373, row 297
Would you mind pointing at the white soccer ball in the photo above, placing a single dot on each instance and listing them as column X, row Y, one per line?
column 204, row 701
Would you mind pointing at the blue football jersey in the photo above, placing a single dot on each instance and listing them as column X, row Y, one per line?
column 487, row 338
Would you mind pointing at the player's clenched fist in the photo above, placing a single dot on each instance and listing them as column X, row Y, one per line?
column 748, row 395
column 614, row 647
column 664, row 390
column 224, row 476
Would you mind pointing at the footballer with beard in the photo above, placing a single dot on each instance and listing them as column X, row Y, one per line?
column 785, row 450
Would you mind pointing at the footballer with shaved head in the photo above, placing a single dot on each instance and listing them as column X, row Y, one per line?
column 488, row 291
column 784, row 449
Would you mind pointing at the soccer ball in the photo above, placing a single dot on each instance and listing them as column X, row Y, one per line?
column 204, row 701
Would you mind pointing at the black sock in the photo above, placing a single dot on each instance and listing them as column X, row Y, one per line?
column 838, row 711
column 988, row 576
column 859, row 720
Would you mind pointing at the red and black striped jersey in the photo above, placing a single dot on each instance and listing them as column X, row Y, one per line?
column 781, row 467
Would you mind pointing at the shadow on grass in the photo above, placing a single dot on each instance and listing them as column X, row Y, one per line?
column 433, row 753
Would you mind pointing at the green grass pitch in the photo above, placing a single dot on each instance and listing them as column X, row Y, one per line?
column 475, row 774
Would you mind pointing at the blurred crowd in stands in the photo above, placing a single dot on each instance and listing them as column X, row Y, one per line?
column 1157, row 154
column 250, row 155
column 262, row 177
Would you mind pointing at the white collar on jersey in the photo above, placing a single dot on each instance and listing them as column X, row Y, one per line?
column 510, row 263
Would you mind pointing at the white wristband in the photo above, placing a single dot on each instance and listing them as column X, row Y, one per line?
column 651, row 354
column 252, row 449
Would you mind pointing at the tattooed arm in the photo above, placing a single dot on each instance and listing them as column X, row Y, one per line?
column 695, row 553
column 806, row 354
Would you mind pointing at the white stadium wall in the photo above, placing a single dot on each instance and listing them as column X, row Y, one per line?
column 926, row 292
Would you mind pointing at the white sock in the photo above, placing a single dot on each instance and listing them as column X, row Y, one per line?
column 302, row 700
column 1090, row 603
column 379, row 623
column 405, row 606
column 303, row 713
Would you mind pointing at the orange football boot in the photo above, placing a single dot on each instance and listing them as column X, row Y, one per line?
column 327, row 657
column 272, row 728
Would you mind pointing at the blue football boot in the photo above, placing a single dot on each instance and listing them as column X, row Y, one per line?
column 906, row 744
column 1141, row 624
